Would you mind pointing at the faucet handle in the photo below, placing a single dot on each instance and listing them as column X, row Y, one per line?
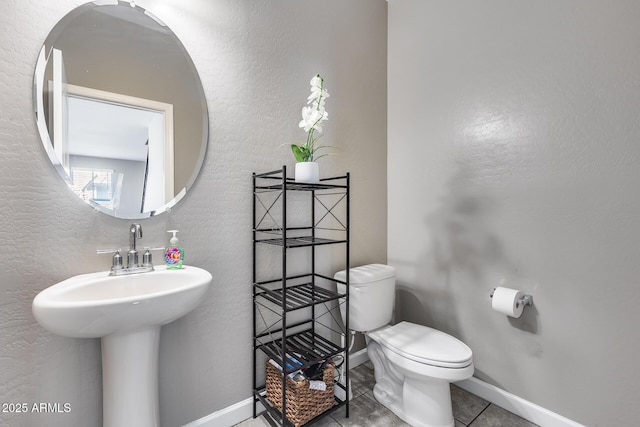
column 116, row 263
column 107, row 251
column 146, row 257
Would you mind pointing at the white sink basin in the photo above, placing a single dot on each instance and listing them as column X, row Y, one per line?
column 127, row 313
column 95, row 305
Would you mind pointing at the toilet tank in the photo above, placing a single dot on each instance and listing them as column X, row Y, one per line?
column 371, row 296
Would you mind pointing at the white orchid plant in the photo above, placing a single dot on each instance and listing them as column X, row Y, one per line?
column 313, row 115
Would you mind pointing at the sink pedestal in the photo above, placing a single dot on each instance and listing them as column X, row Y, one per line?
column 126, row 312
column 130, row 378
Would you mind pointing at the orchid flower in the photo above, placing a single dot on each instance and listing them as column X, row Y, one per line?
column 313, row 115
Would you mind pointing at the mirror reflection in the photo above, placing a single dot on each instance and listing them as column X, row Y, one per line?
column 120, row 109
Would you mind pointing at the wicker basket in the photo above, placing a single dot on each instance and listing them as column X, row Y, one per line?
column 302, row 404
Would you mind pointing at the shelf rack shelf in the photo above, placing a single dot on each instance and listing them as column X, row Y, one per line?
column 307, row 346
column 298, row 242
column 298, row 296
column 309, row 339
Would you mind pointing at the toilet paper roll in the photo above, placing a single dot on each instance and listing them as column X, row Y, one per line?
column 505, row 301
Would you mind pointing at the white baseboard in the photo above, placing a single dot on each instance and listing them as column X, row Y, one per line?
column 243, row 410
column 512, row 403
column 358, row 358
column 229, row 416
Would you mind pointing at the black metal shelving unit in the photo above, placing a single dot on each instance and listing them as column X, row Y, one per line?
column 286, row 319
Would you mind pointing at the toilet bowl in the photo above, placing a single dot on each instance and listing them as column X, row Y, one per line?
column 413, row 364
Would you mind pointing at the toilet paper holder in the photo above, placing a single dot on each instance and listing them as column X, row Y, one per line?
column 525, row 300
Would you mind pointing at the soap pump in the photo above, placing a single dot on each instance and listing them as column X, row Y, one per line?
column 173, row 255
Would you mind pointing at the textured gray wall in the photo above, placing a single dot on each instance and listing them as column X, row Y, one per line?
column 513, row 159
column 255, row 60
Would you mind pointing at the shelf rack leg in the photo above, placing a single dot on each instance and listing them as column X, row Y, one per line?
column 313, row 265
column 346, row 325
column 284, row 293
column 255, row 367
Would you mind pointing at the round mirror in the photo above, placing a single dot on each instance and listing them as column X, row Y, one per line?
column 120, row 109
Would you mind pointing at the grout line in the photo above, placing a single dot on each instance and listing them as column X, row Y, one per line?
column 481, row 412
column 336, row 421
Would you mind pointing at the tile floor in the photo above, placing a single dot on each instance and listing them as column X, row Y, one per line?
column 468, row 409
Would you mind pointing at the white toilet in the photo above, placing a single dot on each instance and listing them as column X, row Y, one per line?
column 413, row 364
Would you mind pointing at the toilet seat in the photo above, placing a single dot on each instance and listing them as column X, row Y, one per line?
column 424, row 345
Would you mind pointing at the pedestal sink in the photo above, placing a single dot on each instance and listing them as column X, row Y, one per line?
column 126, row 312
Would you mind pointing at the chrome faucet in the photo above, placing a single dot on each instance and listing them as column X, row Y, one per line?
column 135, row 232
column 133, row 265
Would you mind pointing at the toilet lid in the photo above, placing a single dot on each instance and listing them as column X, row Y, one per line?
column 425, row 345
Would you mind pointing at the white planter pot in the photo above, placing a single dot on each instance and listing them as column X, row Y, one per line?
column 307, row 172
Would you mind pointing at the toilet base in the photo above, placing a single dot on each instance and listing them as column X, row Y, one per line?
column 427, row 403
column 432, row 409
column 420, row 401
